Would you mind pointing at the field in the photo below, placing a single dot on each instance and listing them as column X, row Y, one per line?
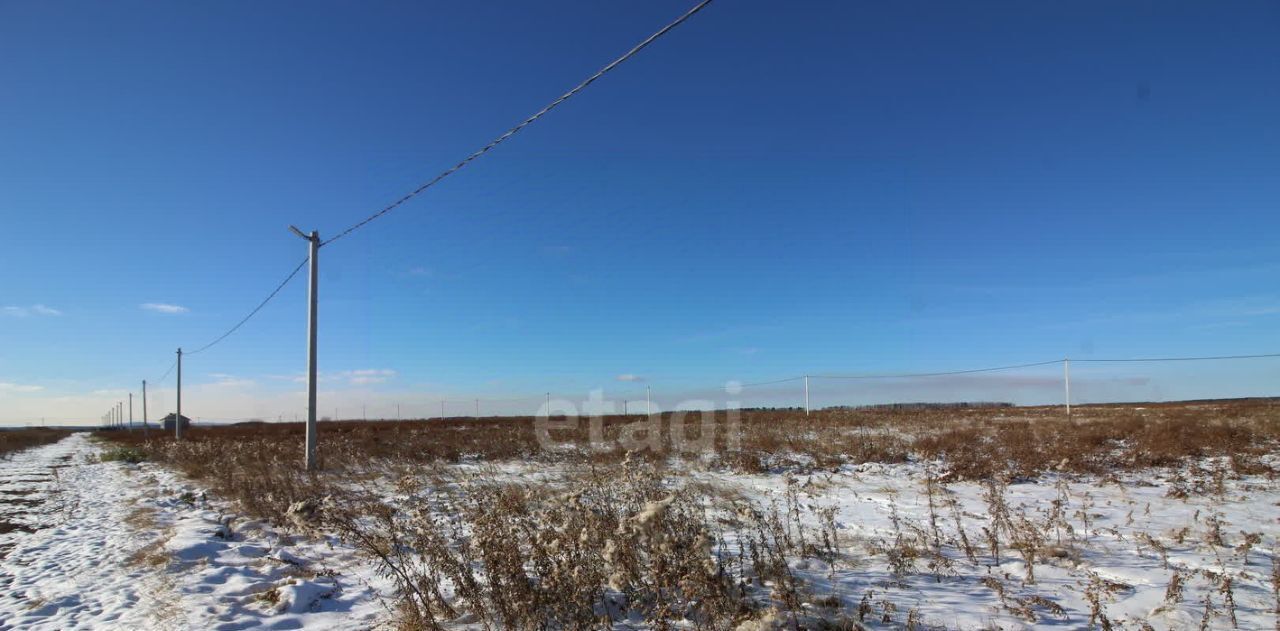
column 1123, row 516
column 18, row 439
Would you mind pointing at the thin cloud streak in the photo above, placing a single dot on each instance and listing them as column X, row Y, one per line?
column 161, row 307
column 6, row 386
column 36, row 310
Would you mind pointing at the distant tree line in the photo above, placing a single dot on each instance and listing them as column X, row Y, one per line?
column 959, row 405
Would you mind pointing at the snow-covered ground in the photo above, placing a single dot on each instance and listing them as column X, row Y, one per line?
column 119, row 546
column 1122, row 538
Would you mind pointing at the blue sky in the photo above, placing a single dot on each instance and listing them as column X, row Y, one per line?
column 770, row 190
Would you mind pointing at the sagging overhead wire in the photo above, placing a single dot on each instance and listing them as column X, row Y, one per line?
column 251, row 313
column 1180, row 359
column 166, row 373
column 937, row 374
column 768, row 383
column 483, row 150
column 525, row 123
column 1011, row 367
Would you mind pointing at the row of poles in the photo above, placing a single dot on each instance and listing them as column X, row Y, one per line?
column 311, row 438
column 314, row 242
column 115, row 417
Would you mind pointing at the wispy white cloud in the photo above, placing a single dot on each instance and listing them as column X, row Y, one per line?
column 630, row 378
column 230, row 381
column 367, row 376
column 36, row 310
column 363, row 377
column 6, row 386
column 162, row 307
column 747, row 332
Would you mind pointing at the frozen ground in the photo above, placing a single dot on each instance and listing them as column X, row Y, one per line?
column 118, row 546
column 92, row 545
column 1121, row 539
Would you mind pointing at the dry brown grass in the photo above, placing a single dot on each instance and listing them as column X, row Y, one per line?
column 613, row 539
column 18, row 439
column 593, row 548
column 258, row 464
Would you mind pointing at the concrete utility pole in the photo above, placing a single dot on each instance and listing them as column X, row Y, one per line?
column 397, row 411
column 131, row 411
column 1066, row 383
column 177, row 418
column 442, row 409
column 145, row 433
column 312, row 298
column 477, row 408
column 648, row 407
column 806, row 395
column 120, row 414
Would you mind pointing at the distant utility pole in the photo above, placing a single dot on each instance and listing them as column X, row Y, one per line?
column 131, row 411
column 1066, row 383
column 177, row 418
column 312, row 298
column 442, row 409
column 548, row 405
column 624, row 407
column 648, row 407
column 364, row 412
column 806, row 395
column 145, row 433
column 477, row 408
column 120, row 414
column 397, row 411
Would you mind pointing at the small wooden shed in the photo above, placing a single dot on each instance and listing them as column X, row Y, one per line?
column 168, row 422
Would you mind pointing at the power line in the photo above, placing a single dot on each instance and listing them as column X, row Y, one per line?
column 769, row 383
column 166, row 373
column 1179, row 359
column 251, row 313
column 937, row 374
column 528, row 121
column 499, row 140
